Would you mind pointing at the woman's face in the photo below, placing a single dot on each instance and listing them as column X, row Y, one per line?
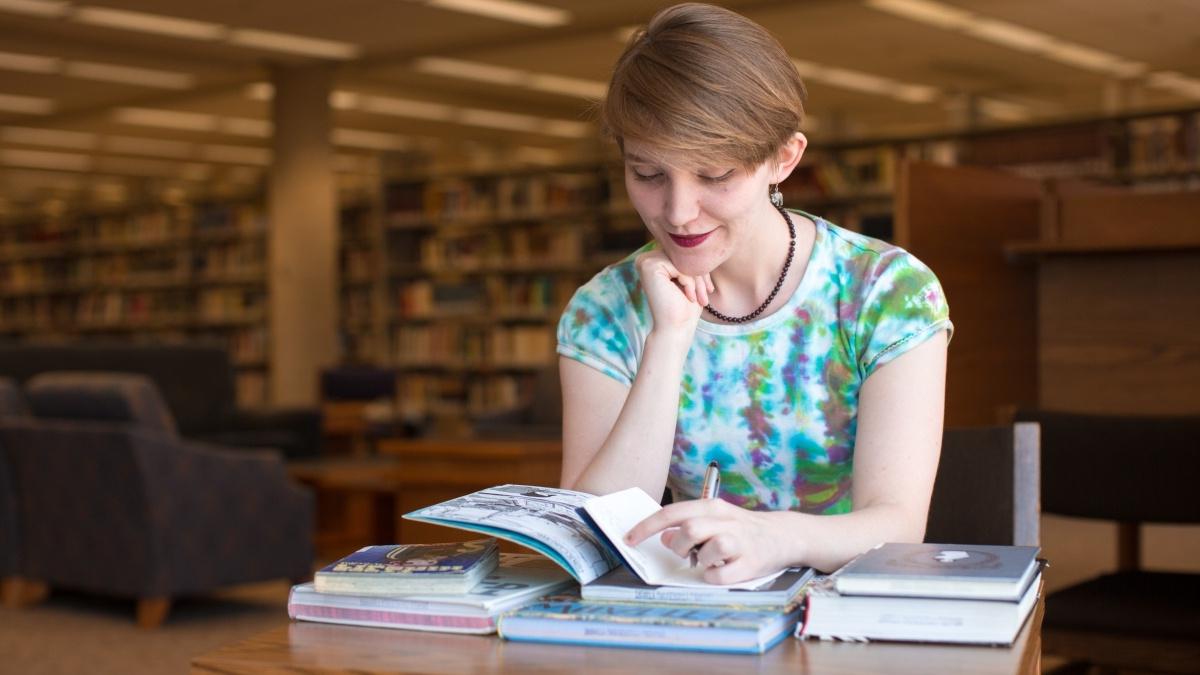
column 699, row 216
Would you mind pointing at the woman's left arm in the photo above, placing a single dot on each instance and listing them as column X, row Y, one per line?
column 900, row 418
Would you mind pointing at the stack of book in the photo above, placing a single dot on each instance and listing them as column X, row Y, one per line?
column 459, row 588
column 619, row 610
column 644, row 596
column 927, row 593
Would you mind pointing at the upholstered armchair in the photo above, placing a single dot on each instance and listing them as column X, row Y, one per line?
column 111, row 500
column 198, row 382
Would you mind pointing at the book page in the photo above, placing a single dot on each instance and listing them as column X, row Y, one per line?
column 546, row 515
column 657, row 565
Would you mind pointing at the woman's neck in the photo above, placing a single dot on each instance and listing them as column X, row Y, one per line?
column 745, row 280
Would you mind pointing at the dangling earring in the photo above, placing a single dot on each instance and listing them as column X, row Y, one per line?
column 776, row 196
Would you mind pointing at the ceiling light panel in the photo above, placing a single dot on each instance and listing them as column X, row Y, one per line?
column 53, row 138
column 39, row 159
column 369, row 140
column 513, row 77
column 149, row 23
column 385, row 105
column 526, row 13
column 47, row 9
column 293, row 44
column 30, row 63
column 145, row 77
column 1010, row 35
column 154, row 147
column 28, row 105
column 166, row 119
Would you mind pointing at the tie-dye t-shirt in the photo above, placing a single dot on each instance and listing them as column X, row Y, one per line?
column 774, row 401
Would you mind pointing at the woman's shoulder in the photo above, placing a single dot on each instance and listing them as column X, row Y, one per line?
column 614, row 290
column 619, row 279
column 864, row 258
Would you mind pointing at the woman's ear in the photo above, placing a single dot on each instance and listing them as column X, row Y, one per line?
column 789, row 156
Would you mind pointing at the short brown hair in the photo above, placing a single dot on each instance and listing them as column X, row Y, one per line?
column 706, row 83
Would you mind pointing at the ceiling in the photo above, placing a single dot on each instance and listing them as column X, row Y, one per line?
column 56, row 74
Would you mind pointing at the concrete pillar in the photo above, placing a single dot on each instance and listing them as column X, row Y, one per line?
column 303, row 234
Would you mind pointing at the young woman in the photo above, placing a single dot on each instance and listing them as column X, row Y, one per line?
column 807, row 360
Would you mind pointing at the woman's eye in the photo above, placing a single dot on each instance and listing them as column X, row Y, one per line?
column 717, row 179
column 646, row 177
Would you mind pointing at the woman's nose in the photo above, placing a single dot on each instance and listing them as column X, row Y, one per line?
column 682, row 203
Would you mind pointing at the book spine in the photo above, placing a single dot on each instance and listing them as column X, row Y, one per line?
column 389, row 619
column 679, row 596
column 519, row 629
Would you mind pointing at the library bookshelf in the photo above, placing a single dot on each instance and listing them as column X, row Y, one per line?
column 457, row 279
column 153, row 273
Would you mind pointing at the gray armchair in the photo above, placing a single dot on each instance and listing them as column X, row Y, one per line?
column 112, row 501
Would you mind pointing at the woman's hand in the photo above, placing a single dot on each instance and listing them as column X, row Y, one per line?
column 736, row 544
column 676, row 300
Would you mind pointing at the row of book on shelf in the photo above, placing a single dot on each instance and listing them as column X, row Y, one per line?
column 586, row 585
column 477, row 344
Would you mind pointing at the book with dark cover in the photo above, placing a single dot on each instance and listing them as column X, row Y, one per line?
column 974, row 572
column 520, row 579
column 410, row 568
column 622, row 585
column 569, row 620
column 831, row 615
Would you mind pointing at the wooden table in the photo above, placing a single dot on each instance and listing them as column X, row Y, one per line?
column 311, row 648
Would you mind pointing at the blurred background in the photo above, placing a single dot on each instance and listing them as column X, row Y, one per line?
column 345, row 231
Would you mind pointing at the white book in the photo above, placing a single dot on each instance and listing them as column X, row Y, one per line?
column 834, row 616
column 520, row 579
column 583, row 533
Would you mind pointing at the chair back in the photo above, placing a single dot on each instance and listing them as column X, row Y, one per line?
column 987, row 487
column 121, row 398
column 1128, row 469
column 197, row 380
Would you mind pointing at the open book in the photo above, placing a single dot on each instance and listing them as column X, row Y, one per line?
column 583, row 533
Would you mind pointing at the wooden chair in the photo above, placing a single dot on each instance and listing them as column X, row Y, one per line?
column 987, row 487
column 1130, row 470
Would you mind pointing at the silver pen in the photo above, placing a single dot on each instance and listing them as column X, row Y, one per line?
column 712, row 485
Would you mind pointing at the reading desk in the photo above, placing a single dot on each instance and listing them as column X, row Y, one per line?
column 310, row 648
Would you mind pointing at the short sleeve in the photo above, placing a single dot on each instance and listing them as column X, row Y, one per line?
column 598, row 328
column 903, row 305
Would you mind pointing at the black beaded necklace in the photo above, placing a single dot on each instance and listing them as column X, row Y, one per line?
column 787, row 264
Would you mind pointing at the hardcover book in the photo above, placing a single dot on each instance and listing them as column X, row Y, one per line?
column 410, row 568
column 520, row 579
column 581, row 532
column 831, row 615
column 941, row 571
column 568, row 620
column 622, row 585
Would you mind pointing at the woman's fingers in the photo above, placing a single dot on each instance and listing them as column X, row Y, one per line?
column 688, row 284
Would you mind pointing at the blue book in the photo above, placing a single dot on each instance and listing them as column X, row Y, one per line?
column 569, row 620
column 410, row 568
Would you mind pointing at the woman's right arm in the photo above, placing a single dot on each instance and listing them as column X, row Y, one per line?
column 616, row 437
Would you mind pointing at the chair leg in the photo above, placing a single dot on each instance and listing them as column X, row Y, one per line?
column 151, row 612
column 18, row 592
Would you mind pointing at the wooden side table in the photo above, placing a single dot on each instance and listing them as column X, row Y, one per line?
column 431, row 471
column 362, row 501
